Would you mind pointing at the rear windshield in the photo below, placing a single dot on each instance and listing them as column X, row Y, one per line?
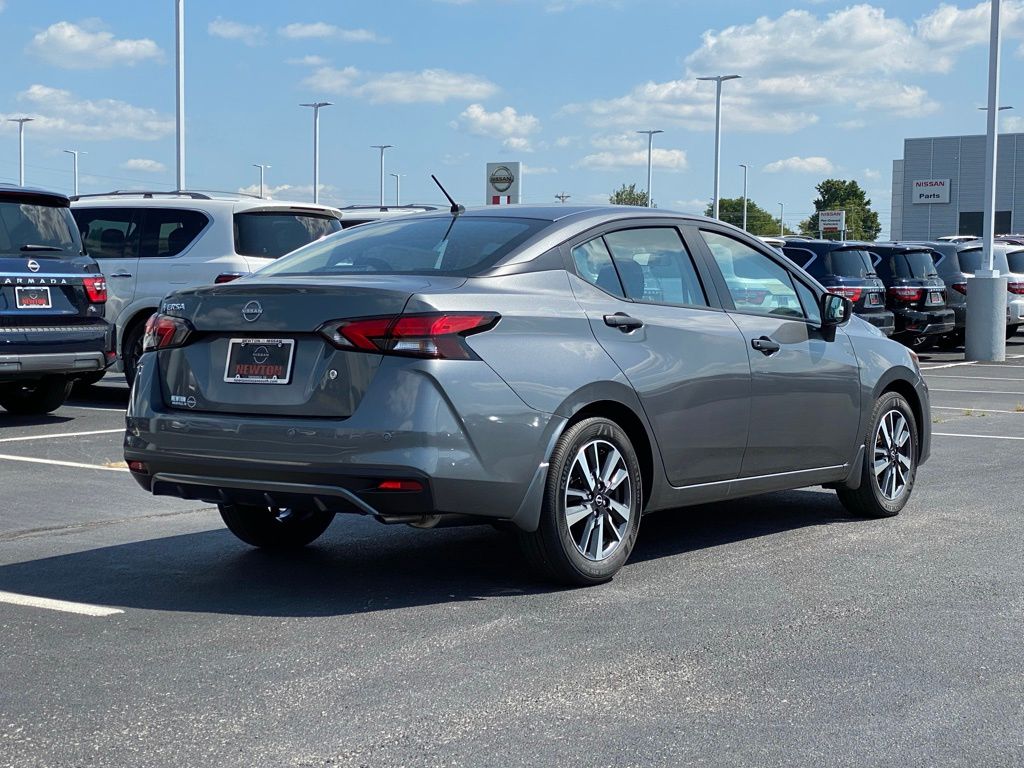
column 271, row 234
column 42, row 230
column 973, row 259
column 1015, row 260
column 916, row 264
column 851, row 263
column 463, row 246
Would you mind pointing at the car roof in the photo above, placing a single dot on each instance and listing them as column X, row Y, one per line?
column 224, row 202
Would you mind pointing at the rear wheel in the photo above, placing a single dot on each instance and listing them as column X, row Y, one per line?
column 890, row 461
column 592, row 504
column 274, row 528
column 1011, row 331
column 82, row 382
column 35, row 397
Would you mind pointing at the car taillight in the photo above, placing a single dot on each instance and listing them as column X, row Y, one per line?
column 227, row 277
column 905, row 293
column 95, row 289
column 437, row 335
column 1017, row 288
column 959, row 288
column 853, row 294
column 163, row 331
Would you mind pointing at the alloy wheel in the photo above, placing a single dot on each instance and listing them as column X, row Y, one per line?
column 894, row 454
column 598, row 499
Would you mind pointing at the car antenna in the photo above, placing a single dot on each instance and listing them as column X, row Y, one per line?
column 456, row 208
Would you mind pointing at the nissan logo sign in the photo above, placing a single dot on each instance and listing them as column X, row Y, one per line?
column 502, row 178
column 252, row 311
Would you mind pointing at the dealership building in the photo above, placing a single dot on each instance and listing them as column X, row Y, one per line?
column 938, row 187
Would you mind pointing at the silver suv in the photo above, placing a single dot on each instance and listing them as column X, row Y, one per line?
column 151, row 243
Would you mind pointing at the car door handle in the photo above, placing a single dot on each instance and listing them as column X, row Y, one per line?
column 623, row 322
column 765, row 345
column 120, row 274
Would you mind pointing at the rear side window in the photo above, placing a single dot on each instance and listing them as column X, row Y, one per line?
column 272, row 234
column 109, row 233
column 35, row 223
column 851, row 263
column 655, row 267
column 169, row 231
column 594, row 264
column 809, row 260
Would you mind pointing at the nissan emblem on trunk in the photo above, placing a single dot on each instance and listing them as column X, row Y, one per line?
column 252, row 311
column 33, row 265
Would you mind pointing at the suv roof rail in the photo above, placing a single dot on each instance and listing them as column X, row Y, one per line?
column 145, row 193
column 387, row 207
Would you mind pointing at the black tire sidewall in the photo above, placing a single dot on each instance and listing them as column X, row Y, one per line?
column 886, row 403
column 131, row 351
column 257, row 526
column 33, row 398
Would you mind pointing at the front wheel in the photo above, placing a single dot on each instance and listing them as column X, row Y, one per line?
column 592, row 505
column 273, row 528
column 35, row 397
column 890, row 461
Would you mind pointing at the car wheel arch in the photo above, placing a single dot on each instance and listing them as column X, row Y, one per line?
column 905, row 388
column 138, row 318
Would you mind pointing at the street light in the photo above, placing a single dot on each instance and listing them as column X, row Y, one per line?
column 21, row 145
column 75, row 153
column 382, row 147
column 650, row 150
column 398, row 188
column 744, row 167
column 179, row 55
column 562, row 197
column 782, row 213
column 262, row 169
column 719, row 79
column 316, row 145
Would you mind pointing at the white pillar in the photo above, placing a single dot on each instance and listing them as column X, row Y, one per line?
column 179, row 23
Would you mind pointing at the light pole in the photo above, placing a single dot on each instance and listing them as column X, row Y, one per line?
column 382, row 147
column 75, row 153
column 986, row 290
column 21, row 145
column 782, row 213
column 398, row 188
column 179, row 24
column 316, row 145
column 262, row 169
column 719, row 79
column 650, row 151
column 744, row 167
column 562, row 197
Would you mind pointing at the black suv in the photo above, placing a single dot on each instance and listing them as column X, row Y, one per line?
column 916, row 294
column 52, row 329
column 845, row 269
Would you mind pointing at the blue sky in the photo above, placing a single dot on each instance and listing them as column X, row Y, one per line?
column 828, row 89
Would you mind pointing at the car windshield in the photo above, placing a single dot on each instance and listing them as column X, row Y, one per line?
column 463, row 245
column 43, row 230
column 850, row 263
column 913, row 264
column 271, row 234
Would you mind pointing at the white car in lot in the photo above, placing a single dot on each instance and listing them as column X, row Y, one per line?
column 151, row 243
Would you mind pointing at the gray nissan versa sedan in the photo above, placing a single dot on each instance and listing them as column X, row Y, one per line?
column 562, row 370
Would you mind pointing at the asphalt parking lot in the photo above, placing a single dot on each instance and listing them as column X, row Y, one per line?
column 769, row 631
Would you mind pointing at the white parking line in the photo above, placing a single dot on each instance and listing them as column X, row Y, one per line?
column 973, row 408
column 976, row 391
column 947, row 365
column 57, row 605
column 94, row 408
column 981, row 437
column 75, row 464
column 60, row 434
column 975, row 378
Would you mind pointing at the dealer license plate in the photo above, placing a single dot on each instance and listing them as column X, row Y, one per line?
column 934, row 298
column 259, row 361
column 874, row 299
column 32, row 298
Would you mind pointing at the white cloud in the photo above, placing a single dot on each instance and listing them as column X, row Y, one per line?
column 627, row 150
column 871, row 173
column 89, row 46
column 538, row 170
column 955, row 29
column 853, row 125
column 297, row 192
column 62, row 113
column 250, row 34
column 696, row 205
column 1011, row 124
column 506, row 124
column 426, row 86
column 142, row 164
column 310, row 61
column 322, row 30
column 801, row 165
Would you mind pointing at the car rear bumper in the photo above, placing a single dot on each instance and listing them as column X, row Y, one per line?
column 925, row 323
column 1015, row 311
column 883, row 321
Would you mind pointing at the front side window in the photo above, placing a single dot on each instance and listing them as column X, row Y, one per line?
column 109, row 233
column 169, row 231
column 755, row 282
column 272, row 234
column 654, row 266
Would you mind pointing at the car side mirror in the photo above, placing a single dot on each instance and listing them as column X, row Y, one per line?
column 835, row 311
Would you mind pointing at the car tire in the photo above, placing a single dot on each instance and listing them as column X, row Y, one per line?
column 950, row 341
column 36, row 397
column 1011, row 331
column 272, row 528
column 131, row 351
column 890, row 460
column 573, row 543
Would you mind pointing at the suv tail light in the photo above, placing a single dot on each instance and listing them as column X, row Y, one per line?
column 851, row 293
column 227, row 277
column 438, row 335
column 163, row 331
column 95, row 289
column 959, row 288
column 906, row 293
column 1015, row 287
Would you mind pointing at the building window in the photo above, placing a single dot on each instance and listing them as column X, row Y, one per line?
column 972, row 223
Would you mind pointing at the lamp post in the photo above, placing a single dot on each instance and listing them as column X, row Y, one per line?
column 986, row 290
column 316, row 105
column 719, row 79
column 75, row 153
column 562, row 197
column 744, row 167
column 650, row 152
column 782, row 213
column 262, row 169
column 382, row 147
column 21, row 145
column 179, row 48
column 398, row 188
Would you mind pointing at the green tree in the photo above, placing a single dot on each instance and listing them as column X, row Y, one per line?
column 628, row 196
column 839, row 195
column 759, row 221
